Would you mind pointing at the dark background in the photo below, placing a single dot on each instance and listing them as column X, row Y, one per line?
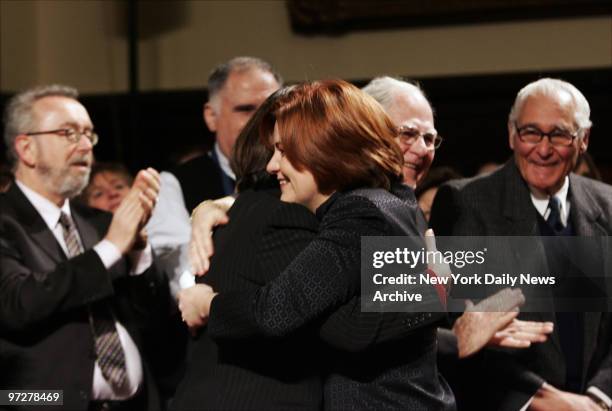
column 153, row 128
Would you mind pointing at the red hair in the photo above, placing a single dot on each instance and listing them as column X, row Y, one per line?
column 338, row 133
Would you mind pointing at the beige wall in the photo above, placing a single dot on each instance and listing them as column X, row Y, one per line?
column 83, row 43
column 69, row 41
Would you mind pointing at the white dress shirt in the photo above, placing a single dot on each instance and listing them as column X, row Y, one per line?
column 541, row 202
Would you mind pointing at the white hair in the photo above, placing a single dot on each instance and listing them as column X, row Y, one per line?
column 550, row 87
column 385, row 88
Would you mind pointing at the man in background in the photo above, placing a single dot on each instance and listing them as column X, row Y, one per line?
column 535, row 194
column 235, row 90
column 411, row 112
column 76, row 284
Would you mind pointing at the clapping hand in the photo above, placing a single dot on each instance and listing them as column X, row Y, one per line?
column 204, row 219
column 194, row 303
column 493, row 322
column 134, row 211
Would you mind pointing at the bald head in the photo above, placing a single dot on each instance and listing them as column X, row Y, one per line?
column 408, row 108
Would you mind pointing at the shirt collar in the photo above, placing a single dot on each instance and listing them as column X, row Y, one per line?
column 224, row 162
column 541, row 203
column 49, row 212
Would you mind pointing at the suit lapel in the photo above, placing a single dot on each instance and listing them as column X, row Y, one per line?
column 586, row 213
column 587, row 217
column 522, row 221
column 87, row 232
column 517, row 206
column 34, row 225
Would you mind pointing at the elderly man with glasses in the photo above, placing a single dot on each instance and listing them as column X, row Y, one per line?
column 408, row 108
column 535, row 194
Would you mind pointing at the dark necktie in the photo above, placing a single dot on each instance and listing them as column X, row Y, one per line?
column 554, row 218
column 109, row 352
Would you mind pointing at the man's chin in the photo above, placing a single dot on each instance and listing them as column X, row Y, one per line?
column 75, row 185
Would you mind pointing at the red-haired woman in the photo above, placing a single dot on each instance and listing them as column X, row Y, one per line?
column 335, row 154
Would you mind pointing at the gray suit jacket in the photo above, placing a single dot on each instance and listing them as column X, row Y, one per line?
column 499, row 204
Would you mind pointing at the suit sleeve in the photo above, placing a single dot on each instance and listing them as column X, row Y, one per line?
column 288, row 231
column 325, row 275
column 28, row 296
column 322, row 282
column 350, row 329
column 602, row 379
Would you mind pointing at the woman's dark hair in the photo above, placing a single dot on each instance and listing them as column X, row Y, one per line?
column 253, row 149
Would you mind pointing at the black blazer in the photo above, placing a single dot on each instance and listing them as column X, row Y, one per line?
column 45, row 337
column 263, row 236
column 500, row 205
column 200, row 179
column 388, row 360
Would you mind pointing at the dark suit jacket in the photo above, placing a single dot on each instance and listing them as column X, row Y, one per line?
column 263, row 236
column 500, row 205
column 200, row 179
column 45, row 337
column 389, row 360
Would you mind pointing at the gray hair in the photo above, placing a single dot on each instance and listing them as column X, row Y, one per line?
column 218, row 76
column 18, row 115
column 550, row 87
column 385, row 88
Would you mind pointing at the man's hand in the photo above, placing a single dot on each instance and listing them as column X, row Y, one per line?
column 549, row 398
column 440, row 269
column 134, row 211
column 521, row 334
column 204, row 219
column 125, row 225
column 147, row 182
column 194, row 303
column 493, row 322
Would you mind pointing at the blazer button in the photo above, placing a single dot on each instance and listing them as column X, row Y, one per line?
column 83, row 394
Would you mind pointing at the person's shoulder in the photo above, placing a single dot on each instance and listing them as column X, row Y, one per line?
column 596, row 187
column 266, row 206
column 196, row 165
column 600, row 192
column 355, row 212
column 477, row 187
column 361, row 202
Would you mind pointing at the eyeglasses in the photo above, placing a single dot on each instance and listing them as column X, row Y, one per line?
column 557, row 137
column 72, row 135
column 409, row 136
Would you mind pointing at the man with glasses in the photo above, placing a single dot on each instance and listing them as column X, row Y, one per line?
column 76, row 283
column 410, row 111
column 535, row 194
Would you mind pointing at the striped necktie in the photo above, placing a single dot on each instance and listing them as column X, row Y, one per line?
column 554, row 218
column 110, row 355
